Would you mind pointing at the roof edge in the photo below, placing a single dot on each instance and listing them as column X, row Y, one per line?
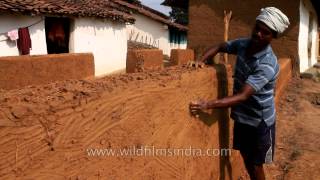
column 153, row 14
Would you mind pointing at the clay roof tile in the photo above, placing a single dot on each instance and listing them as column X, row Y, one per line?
column 92, row 8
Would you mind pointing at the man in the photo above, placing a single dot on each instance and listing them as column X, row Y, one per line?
column 253, row 108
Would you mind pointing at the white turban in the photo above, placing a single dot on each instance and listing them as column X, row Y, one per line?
column 274, row 19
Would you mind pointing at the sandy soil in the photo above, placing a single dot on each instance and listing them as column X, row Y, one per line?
column 298, row 135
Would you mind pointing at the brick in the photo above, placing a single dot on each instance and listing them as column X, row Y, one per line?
column 181, row 56
column 144, row 59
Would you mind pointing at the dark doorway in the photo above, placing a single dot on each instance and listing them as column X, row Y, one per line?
column 310, row 37
column 57, row 35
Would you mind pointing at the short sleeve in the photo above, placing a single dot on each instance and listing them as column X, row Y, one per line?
column 261, row 76
column 233, row 46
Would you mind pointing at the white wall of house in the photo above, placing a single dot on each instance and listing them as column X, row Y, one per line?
column 37, row 34
column 105, row 39
column 152, row 32
column 307, row 37
column 149, row 31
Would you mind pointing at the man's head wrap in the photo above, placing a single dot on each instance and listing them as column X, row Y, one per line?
column 274, row 19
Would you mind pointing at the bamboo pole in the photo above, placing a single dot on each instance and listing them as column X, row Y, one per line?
column 226, row 19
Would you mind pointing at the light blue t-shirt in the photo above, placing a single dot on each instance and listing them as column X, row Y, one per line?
column 260, row 71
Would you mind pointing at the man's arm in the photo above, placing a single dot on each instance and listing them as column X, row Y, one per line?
column 211, row 52
column 245, row 93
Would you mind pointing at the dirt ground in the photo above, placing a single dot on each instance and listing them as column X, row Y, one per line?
column 298, row 124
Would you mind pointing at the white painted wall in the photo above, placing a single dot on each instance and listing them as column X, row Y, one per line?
column 151, row 32
column 106, row 40
column 306, row 62
column 37, row 34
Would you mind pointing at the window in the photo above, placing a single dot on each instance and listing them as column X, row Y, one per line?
column 177, row 37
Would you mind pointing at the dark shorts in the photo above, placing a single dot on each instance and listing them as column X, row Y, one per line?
column 255, row 143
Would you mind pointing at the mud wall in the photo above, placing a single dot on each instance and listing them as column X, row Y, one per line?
column 181, row 56
column 144, row 59
column 206, row 26
column 45, row 131
column 284, row 77
column 20, row 71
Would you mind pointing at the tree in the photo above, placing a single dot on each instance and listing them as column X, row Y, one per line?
column 179, row 15
column 134, row 1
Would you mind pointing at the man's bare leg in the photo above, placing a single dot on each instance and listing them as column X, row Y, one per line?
column 255, row 172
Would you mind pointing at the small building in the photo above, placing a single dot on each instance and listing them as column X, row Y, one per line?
column 71, row 26
column 155, row 28
column 300, row 42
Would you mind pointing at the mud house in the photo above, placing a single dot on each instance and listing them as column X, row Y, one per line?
column 155, row 28
column 69, row 27
column 300, row 42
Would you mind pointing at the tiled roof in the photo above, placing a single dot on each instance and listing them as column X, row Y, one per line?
column 84, row 8
column 153, row 14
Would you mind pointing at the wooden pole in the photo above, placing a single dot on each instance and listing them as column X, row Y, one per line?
column 226, row 19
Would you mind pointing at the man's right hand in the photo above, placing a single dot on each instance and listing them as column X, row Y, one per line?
column 196, row 106
column 196, row 64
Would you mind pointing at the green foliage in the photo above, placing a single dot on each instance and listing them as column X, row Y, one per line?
column 179, row 15
column 134, row 1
